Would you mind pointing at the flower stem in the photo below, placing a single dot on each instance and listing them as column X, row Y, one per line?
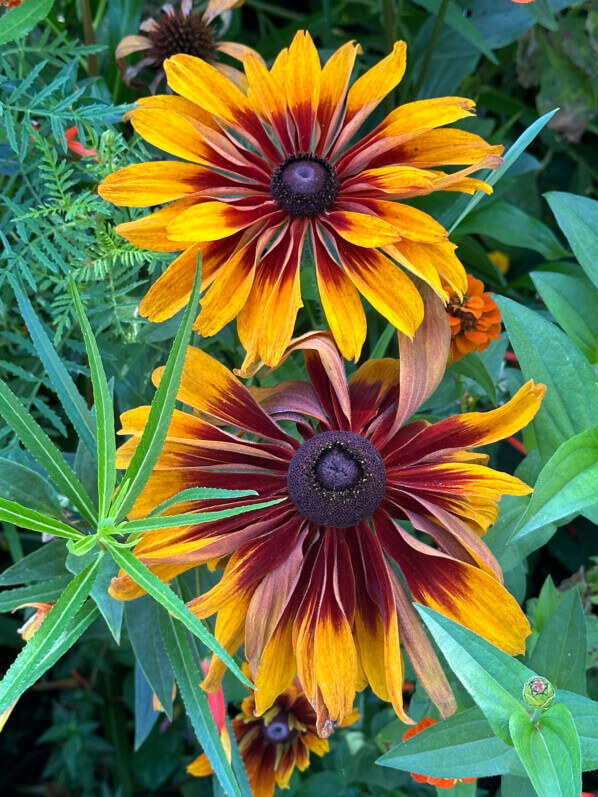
column 431, row 45
column 89, row 35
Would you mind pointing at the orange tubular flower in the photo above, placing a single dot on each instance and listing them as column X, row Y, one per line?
column 475, row 319
column 181, row 31
column 310, row 584
column 274, row 744
column 442, row 783
column 273, row 169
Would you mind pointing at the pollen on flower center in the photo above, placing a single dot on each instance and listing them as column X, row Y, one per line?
column 277, row 731
column 337, row 479
column 304, row 185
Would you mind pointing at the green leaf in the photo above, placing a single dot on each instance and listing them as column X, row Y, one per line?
column 463, row 746
column 566, row 484
column 25, row 486
column 547, row 355
column 509, row 225
column 20, row 20
column 44, row 451
column 550, row 752
column 190, row 518
column 112, row 610
column 199, row 494
column 540, row 10
column 188, row 677
column 145, row 714
column 142, row 618
column 460, row 24
column 150, row 446
column 564, row 664
column 577, row 217
column 62, row 382
column 171, row 601
column 44, row 563
column 473, row 367
column 573, row 304
column 490, row 675
column 524, row 140
column 585, row 716
column 103, row 408
column 50, row 641
column 499, row 537
column 11, row 512
column 43, row 592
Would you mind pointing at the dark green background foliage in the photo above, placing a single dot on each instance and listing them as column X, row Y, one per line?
column 87, row 727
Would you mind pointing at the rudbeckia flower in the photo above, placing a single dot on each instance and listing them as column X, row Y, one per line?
column 310, row 583
column 441, row 783
column 474, row 318
column 273, row 744
column 273, row 171
column 181, row 31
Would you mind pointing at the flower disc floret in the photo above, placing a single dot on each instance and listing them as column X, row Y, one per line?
column 304, row 185
column 337, row 479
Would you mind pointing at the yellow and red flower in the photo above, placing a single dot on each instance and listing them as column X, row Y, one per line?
column 181, row 31
column 310, row 583
column 273, row 744
column 474, row 318
column 273, row 169
column 442, row 783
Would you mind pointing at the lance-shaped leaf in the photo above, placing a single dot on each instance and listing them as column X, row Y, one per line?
column 171, row 601
column 20, row 20
column 199, row 494
column 104, row 411
column 45, row 452
column 54, row 637
column 188, row 676
column 43, row 592
column 462, row 746
column 153, row 437
column 190, row 518
column 493, row 678
column 62, row 382
column 578, row 219
column 11, row 512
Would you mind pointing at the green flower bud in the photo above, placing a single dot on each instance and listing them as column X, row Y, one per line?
column 538, row 693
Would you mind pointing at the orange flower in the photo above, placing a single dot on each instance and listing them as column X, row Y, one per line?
column 30, row 626
column 274, row 744
column 11, row 3
column 442, row 783
column 281, row 168
column 76, row 146
column 182, row 31
column 474, row 319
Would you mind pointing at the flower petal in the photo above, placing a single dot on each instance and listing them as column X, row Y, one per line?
column 145, row 184
column 302, row 86
column 336, row 74
column 439, row 147
column 362, row 229
column 211, row 388
column 132, row 44
column 217, row 7
column 209, row 221
column 411, row 223
column 373, row 387
column 170, row 293
column 423, row 358
column 384, row 285
column 150, row 231
column 340, row 301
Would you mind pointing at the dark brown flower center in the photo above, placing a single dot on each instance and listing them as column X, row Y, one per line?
column 178, row 32
column 277, row 731
column 304, row 185
column 337, row 479
column 459, row 310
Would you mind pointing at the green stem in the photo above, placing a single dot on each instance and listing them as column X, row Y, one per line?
column 431, row 45
column 89, row 35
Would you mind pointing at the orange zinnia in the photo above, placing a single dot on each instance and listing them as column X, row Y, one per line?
column 310, row 584
column 474, row 318
column 442, row 783
column 273, row 169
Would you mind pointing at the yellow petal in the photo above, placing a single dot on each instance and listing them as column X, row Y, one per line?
column 145, row 184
